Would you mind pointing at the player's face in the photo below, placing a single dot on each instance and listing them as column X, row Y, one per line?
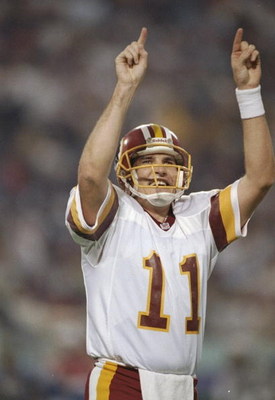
column 153, row 173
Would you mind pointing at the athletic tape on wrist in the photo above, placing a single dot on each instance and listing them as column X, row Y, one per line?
column 250, row 102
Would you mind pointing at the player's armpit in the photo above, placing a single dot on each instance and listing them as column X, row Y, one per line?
column 249, row 196
column 91, row 198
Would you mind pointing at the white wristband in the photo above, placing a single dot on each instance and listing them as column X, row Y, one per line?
column 250, row 102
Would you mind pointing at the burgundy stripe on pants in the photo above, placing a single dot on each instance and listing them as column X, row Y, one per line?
column 115, row 382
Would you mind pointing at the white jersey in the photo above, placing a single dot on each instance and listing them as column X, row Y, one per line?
column 146, row 288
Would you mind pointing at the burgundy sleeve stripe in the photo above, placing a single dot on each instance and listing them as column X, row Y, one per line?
column 71, row 221
column 222, row 218
column 216, row 224
column 105, row 219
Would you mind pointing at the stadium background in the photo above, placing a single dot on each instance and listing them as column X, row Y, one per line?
column 57, row 73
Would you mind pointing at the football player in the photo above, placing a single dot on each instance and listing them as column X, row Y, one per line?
column 147, row 248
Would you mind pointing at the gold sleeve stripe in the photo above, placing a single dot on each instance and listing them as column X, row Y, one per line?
column 227, row 214
column 222, row 218
column 105, row 379
column 106, row 210
column 101, row 218
column 75, row 216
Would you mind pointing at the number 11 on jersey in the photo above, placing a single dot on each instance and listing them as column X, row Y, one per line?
column 153, row 318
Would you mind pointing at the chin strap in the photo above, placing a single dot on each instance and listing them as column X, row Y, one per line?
column 158, row 199
column 161, row 199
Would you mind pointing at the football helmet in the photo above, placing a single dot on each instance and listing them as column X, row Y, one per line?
column 152, row 139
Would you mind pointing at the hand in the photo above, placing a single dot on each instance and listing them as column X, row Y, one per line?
column 131, row 63
column 245, row 62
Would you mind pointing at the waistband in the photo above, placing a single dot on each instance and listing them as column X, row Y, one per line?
column 106, row 363
column 111, row 376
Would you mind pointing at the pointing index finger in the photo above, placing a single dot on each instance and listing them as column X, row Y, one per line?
column 237, row 40
column 143, row 36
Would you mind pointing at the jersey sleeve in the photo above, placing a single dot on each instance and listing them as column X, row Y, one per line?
column 80, row 231
column 224, row 217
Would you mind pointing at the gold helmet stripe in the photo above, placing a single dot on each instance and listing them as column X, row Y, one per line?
column 157, row 131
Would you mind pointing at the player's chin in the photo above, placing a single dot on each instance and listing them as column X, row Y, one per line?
column 158, row 190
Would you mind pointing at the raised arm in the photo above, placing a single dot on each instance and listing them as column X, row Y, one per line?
column 99, row 151
column 258, row 152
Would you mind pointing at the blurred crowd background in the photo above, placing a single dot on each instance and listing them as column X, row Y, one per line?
column 57, row 74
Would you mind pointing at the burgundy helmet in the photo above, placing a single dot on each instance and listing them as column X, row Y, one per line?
column 151, row 139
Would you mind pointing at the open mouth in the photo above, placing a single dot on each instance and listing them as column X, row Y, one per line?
column 158, row 183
